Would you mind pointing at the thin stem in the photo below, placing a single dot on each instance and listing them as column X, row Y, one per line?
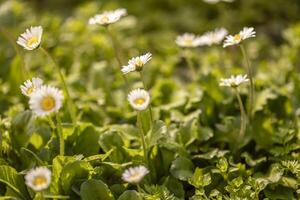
column 42, row 195
column 70, row 103
column 60, row 135
column 150, row 107
column 116, row 52
column 6, row 34
column 250, row 75
column 187, row 55
column 139, row 188
column 139, row 121
column 243, row 114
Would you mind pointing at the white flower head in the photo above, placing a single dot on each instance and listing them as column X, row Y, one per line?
column 217, row 1
column 31, row 38
column 134, row 175
column 38, row 179
column 234, row 81
column 238, row 38
column 136, row 63
column 189, row 40
column 46, row 100
column 214, row 37
column 139, row 99
column 108, row 17
column 29, row 86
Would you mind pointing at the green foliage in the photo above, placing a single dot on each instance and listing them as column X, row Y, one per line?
column 192, row 145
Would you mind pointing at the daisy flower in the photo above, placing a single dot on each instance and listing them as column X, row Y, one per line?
column 234, row 81
column 46, row 100
column 31, row 38
column 238, row 38
column 214, row 37
column 189, row 40
column 139, row 99
column 134, row 175
column 137, row 63
column 38, row 179
column 29, row 86
column 217, row 1
column 108, row 17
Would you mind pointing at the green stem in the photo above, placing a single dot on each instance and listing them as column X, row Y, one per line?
column 117, row 53
column 60, row 135
column 187, row 55
column 150, row 107
column 243, row 114
column 70, row 103
column 139, row 121
column 6, row 34
column 250, row 75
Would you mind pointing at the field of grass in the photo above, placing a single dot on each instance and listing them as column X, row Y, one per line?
column 152, row 99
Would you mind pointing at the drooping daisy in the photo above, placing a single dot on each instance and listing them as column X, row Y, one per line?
column 136, row 63
column 29, row 86
column 189, row 40
column 139, row 99
column 134, row 175
column 234, row 81
column 46, row 100
column 108, row 17
column 38, row 179
column 242, row 35
column 31, row 38
column 214, row 37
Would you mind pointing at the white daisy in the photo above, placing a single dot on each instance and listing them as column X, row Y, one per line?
column 137, row 63
column 108, row 17
column 139, row 99
column 242, row 35
column 234, row 81
column 46, row 100
column 134, row 175
column 31, row 38
column 30, row 86
column 189, row 40
column 214, row 37
column 217, row 1
column 38, row 179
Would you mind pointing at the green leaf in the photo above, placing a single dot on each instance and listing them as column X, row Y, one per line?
column 158, row 132
column 74, row 172
column 199, row 179
column 130, row 195
column 109, row 140
column 15, row 182
column 95, row 190
column 57, row 165
column 262, row 99
column 182, row 168
column 88, row 137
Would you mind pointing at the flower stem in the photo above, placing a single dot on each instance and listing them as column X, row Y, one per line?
column 150, row 107
column 243, row 114
column 140, row 125
column 250, row 75
column 188, row 58
column 116, row 52
column 60, row 135
column 70, row 103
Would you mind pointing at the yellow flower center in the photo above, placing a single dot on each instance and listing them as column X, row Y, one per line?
column 30, row 90
column 39, row 180
column 135, row 175
column 189, row 41
column 104, row 19
column 48, row 103
column 32, row 41
column 237, row 38
column 139, row 101
column 138, row 62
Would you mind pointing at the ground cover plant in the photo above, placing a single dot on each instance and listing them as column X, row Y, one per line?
column 132, row 100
